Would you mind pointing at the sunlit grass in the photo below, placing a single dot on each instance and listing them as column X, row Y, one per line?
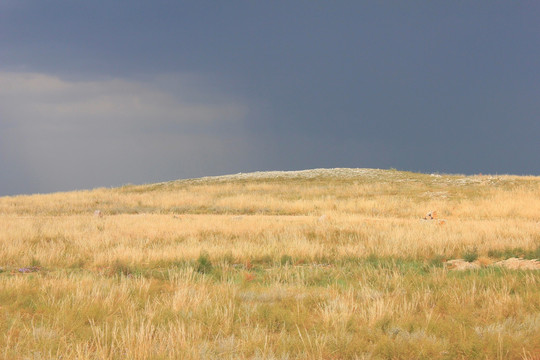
column 250, row 268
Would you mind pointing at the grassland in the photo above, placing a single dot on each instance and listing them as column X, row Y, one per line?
column 323, row 264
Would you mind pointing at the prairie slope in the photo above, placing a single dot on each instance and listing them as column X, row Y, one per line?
column 324, row 263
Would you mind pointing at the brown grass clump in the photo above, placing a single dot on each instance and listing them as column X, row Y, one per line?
column 484, row 261
column 460, row 264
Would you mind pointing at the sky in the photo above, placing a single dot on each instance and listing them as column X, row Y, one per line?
column 105, row 93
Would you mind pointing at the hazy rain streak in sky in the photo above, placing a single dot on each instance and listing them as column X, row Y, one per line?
column 101, row 94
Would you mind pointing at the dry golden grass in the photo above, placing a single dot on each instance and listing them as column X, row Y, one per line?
column 314, row 265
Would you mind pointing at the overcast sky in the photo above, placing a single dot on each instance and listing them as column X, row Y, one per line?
column 103, row 93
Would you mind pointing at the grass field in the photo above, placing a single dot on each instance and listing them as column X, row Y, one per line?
column 321, row 264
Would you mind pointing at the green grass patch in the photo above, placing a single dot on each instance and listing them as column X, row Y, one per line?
column 470, row 255
column 515, row 252
column 203, row 264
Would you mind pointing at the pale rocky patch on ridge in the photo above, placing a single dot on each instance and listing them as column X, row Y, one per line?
column 300, row 174
column 351, row 173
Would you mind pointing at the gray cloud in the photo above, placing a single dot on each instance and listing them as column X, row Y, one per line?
column 63, row 134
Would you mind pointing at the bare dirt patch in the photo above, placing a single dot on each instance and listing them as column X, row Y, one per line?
column 517, row 263
column 512, row 263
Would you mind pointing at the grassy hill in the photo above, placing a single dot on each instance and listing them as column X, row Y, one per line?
column 315, row 264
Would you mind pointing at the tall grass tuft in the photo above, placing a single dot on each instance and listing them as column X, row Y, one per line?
column 204, row 264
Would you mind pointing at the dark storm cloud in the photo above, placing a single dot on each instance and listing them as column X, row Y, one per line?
column 146, row 91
